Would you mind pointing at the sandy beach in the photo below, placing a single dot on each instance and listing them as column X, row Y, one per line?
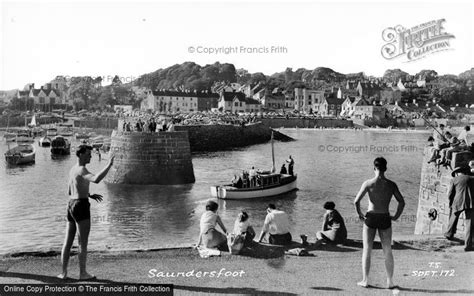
column 424, row 265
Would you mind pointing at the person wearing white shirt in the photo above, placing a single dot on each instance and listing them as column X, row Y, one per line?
column 277, row 225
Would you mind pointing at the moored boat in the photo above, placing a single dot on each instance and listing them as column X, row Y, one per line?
column 24, row 136
column 21, row 154
column 65, row 129
column 60, row 146
column 45, row 141
column 51, row 132
column 10, row 136
column 82, row 136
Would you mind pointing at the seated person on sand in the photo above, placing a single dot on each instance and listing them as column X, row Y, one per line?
column 242, row 226
column 333, row 228
column 209, row 236
column 277, row 224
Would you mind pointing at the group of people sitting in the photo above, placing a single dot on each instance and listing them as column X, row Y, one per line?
column 445, row 144
column 149, row 125
column 276, row 225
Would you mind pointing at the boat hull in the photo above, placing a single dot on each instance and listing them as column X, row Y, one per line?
column 60, row 146
column 21, row 154
column 45, row 142
column 230, row 192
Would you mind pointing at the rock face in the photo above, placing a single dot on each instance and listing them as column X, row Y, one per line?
column 151, row 158
column 433, row 204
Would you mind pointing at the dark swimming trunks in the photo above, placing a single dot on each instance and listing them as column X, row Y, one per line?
column 379, row 221
column 78, row 210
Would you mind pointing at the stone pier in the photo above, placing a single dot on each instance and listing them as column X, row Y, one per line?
column 151, row 158
column 433, row 204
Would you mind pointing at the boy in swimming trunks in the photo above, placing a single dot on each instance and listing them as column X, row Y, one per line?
column 78, row 211
column 380, row 191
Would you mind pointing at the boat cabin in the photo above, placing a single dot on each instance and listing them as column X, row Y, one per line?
column 263, row 179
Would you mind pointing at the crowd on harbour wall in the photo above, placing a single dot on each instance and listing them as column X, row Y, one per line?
column 205, row 137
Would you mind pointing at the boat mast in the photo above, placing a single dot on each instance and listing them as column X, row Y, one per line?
column 273, row 155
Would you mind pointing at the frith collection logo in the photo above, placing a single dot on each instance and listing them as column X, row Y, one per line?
column 417, row 42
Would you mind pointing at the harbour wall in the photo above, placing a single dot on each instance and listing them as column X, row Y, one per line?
column 306, row 122
column 216, row 137
column 151, row 158
column 433, row 204
column 224, row 137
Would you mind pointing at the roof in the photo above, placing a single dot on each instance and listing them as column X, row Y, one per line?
column 251, row 101
column 369, row 86
column 361, row 102
column 334, row 101
column 172, row 93
column 229, row 96
column 391, row 107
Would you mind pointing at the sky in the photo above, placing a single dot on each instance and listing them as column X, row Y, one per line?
column 40, row 39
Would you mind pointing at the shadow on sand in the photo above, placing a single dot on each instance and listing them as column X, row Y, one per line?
column 213, row 290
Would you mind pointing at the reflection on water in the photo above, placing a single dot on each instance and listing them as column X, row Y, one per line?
column 33, row 198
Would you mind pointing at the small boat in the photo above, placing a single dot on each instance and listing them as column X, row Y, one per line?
column 267, row 183
column 65, row 129
column 60, row 146
column 10, row 136
column 52, row 132
column 21, row 154
column 24, row 136
column 35, row 130
column 44, row 141
column 82, row 136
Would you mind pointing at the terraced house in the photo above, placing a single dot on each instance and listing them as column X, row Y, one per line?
column 236, row 102
column 168, row 101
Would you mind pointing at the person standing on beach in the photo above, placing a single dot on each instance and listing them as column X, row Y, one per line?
column 380, row 191
column 461, row 198
column 78, row 210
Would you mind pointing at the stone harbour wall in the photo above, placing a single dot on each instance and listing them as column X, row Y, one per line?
column 306, row 122
column 222, row 137
column 151, row 158
column 433, row 204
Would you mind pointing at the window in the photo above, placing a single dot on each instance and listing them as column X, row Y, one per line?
column 236, row 104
